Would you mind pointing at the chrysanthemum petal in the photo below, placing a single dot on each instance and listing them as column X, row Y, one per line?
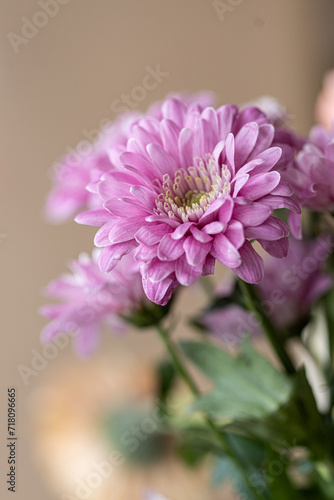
column 102, row 236
column 144, row 195
column 209, row 266
column 260, row 185
column 235, row 233
column 120, row 208
column 94, row 217
column 224, row 251
column 175, row 110
column 181, row 230
column 185, row 273
column 169, row 248
column 251, row 268
column 196, row 252
column 139, row 165
column 214, row 227
column 199, row 235
column 186, row 139
column 264, row 139
column 269, row 157
column 245, row 141
column 110, row 255
column 226, row 115
column 164, row 163
column 161, row 292
column 159, row 270
column 151, row 234
column 124, row 230
column 170, row 137
column 278, row 248
column 226, row 210
column 211, row 213
column 251, row 214
column 272, row 229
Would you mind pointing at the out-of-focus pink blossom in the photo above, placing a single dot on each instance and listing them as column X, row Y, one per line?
column 89, row 299
column 288, row 290
column 312, row 176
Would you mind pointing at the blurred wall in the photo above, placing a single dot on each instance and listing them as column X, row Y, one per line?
column 60, row 79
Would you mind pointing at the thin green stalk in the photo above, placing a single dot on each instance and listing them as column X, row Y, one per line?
column 253, row 305
column 217, row 433
column 188, row 380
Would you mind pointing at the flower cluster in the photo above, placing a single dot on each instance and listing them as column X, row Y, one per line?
column 90, row 298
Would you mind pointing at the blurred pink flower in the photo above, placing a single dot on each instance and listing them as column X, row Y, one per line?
column 312, row 177
column 324, row 107
column 75, row 176
column 192, row 187
column 272, row 108
column 288, row 290
column 89, row 299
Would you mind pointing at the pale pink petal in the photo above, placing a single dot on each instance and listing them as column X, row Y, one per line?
column 260, row 185
column 169, row 248
column 94, row 217
column 224, row 251
column 185, row 273
column 151, row 234
column 195, row 251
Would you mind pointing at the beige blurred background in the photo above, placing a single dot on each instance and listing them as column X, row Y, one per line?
column 63, row 82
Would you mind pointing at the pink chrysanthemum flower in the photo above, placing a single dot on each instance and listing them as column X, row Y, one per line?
column 195, row 186
column 89, row 299
column 288, row 290
column 313, row 173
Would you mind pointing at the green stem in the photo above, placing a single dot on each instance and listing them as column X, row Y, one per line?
column 215, row 430
column 253, row 305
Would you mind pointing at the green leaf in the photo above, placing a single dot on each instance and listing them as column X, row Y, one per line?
column 245, row 386
column 297, row 423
